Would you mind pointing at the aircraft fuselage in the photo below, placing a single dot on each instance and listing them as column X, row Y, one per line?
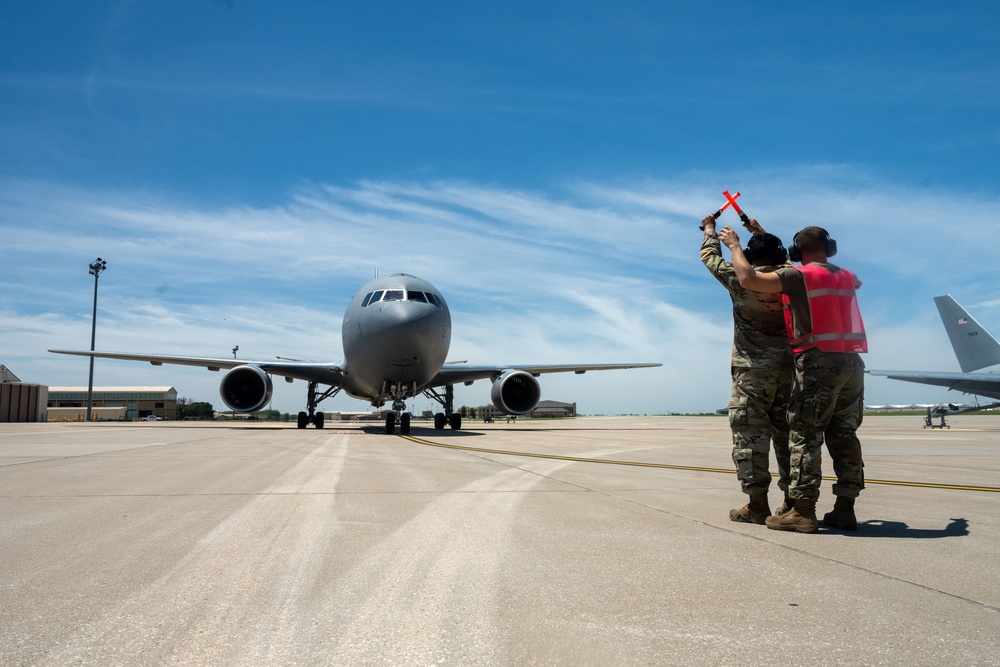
column 396, row 335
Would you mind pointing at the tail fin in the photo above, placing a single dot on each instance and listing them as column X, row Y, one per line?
column 973, row 345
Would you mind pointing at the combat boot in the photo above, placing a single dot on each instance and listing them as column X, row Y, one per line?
column 801, row 518
column 756, row 511
column 842, row 515
column 785, row 506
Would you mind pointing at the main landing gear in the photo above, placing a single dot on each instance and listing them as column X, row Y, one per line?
column 312, row 400
column 449, row 417
column 454, row 420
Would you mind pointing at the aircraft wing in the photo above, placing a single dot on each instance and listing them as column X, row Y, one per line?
column 981, row 384
column 323, row 373
column 462, row 373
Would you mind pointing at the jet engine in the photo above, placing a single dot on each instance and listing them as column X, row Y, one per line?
column 246, row 389
column 515, row 392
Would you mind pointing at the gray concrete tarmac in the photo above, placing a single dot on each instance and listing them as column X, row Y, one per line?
column 187, row 544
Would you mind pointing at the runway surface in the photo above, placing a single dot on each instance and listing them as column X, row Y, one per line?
column 594, row 541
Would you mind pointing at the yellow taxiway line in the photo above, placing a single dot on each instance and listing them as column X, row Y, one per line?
column 667, row 466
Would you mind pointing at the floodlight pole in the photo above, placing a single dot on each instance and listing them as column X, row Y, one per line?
column 96, row 267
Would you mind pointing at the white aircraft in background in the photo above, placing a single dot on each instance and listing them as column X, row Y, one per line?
column 396, row 335
column 975, row 349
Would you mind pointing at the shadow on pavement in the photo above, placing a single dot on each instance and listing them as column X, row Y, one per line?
column 879, row 528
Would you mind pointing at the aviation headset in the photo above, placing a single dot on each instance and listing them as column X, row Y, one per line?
column 795, row 254
column 779, row 254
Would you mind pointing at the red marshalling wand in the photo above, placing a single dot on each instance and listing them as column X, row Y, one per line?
column 730, row 201
column 736, row 207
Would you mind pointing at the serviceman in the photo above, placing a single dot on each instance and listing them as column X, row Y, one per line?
column 827, row 403
column 762, row 371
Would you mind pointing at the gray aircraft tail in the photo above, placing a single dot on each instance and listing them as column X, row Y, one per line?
column 973, row 345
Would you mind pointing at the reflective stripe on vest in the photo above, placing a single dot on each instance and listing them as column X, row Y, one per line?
column 833, row 308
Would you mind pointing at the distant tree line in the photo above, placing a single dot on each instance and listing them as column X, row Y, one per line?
column 188, row 409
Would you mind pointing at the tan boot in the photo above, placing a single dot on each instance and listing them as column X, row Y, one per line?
column 756, row 511
column 801, row 518
column 785, row 506
column 842, row 515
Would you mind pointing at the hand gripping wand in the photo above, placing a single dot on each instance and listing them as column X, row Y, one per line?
column 730, row 199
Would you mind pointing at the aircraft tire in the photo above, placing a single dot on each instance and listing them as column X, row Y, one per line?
column 303, row 420
column 320, row 419
column 404, row 424
column 390, row 424
column 439, row 421
column 456, row 421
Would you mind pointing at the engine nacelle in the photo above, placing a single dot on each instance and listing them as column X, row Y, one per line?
column 246, row 389
column 515, row 392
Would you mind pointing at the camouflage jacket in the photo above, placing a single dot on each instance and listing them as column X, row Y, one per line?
column 760, row 339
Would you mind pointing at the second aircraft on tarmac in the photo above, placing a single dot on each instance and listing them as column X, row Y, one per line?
column 975, row 349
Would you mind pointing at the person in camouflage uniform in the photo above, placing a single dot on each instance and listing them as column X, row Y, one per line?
column 762, row 373
column 827, row 400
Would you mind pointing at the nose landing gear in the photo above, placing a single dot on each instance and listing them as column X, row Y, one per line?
column 399, row 393
column 404, row 423
column 397, row 415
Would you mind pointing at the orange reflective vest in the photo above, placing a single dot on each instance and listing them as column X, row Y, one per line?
column 833, row 307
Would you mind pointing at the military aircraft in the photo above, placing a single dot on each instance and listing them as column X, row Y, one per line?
column 396, row 335
column 975, row 348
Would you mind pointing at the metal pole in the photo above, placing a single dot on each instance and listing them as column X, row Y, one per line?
column 95, row 270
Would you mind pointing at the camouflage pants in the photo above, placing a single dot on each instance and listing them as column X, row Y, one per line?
column 757, row 417
column 827, row 404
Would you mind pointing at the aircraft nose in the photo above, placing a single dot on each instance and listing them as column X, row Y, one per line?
column 407, row 327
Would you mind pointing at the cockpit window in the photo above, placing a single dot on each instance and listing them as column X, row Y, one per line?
column 401, row 295
column 393, row 295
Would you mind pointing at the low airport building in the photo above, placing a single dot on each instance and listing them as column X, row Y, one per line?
column 112, row 403
column 544, row 410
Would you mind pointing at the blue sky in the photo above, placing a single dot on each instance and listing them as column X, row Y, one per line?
column 245, row 166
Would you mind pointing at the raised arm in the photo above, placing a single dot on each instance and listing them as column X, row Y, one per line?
column 749, row 279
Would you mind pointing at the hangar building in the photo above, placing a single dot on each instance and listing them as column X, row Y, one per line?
column 138, row 402
column 20, row 401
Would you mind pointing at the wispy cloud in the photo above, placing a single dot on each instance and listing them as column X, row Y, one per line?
column 582, row 272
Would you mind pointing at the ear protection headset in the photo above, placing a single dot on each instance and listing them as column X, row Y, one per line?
column 778, row 256
column 795, row 254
